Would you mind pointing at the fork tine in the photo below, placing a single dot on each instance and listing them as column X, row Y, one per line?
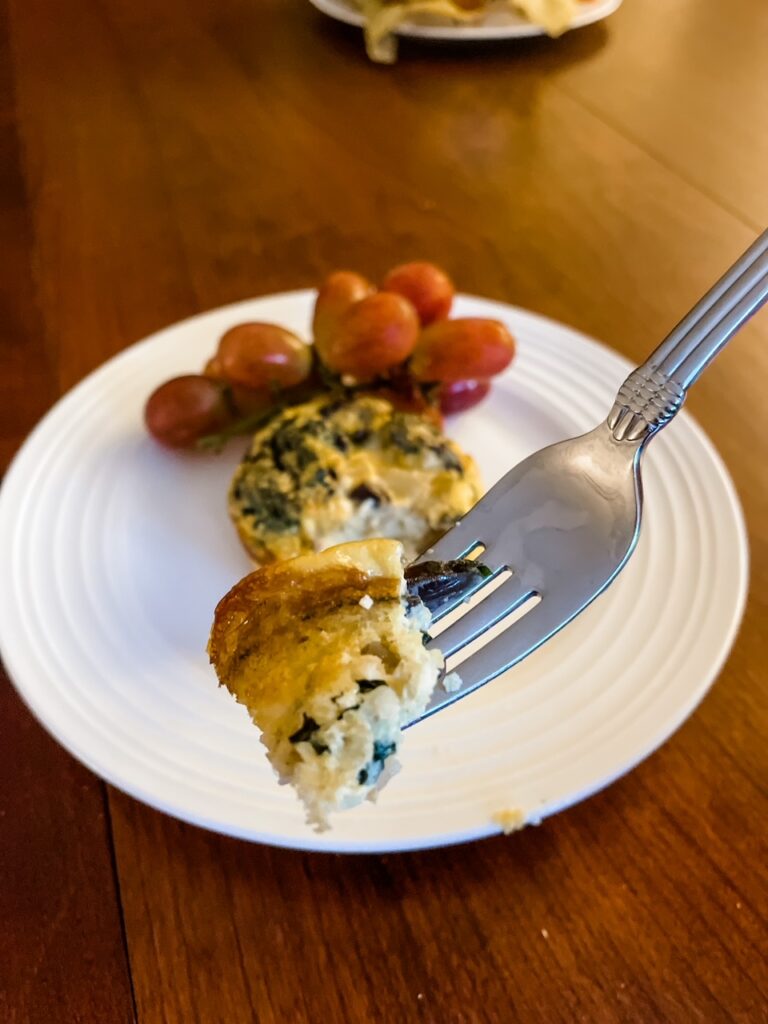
column 505, row 599
column 515, row 643
column 479, row 526
column 457, row 542
column 505, row 650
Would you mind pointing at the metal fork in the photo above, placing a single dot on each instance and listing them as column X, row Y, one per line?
column 566, row 520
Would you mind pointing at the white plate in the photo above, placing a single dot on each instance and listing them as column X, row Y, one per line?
column 499, row 23
column 114, row 553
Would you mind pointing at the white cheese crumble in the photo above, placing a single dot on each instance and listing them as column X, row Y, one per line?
column 366, row 601
column 452, row 682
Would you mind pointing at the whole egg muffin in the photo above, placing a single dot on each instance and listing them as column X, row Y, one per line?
column 339, row 469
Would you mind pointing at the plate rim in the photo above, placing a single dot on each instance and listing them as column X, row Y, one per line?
column 308, row 842
column 338, row 10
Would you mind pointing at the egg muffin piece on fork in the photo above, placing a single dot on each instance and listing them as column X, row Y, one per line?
column 326, row 653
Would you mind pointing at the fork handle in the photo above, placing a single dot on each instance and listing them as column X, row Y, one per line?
column 653, row 393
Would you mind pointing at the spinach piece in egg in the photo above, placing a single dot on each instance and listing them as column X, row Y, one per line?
column 371, row 772
column 366, row 685
column 289, row 450
column 401, row 437
column 269, row 507
column 305, row 734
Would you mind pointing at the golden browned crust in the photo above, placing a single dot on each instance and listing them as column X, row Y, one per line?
column 273, row 599
column 268, row 602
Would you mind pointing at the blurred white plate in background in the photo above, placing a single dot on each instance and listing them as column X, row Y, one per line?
column 499, row 23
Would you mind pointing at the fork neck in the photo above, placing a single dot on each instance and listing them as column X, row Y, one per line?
column 646, row 402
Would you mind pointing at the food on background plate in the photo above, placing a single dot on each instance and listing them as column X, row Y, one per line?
column 396, row 340
column 341, row 468
column 326, row 652
column 382, row 17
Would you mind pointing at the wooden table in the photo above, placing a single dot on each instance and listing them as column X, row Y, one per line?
column 160, row 159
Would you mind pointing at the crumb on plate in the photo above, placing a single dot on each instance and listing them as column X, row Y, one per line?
column 509, row 819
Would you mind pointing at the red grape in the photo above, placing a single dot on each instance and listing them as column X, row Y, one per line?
column 462, row 394
column 263, row 357
column 454, row 350
column 249, row 401
column 425, row 285
column 339, row 291
column 214, row 369
column 373, row 335
column 185, row 409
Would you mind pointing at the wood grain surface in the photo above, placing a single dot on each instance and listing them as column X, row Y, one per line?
column 158, row 160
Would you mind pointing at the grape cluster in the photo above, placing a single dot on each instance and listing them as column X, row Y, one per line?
column 396, row 341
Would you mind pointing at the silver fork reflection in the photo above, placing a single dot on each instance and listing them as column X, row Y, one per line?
column 566, row 519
